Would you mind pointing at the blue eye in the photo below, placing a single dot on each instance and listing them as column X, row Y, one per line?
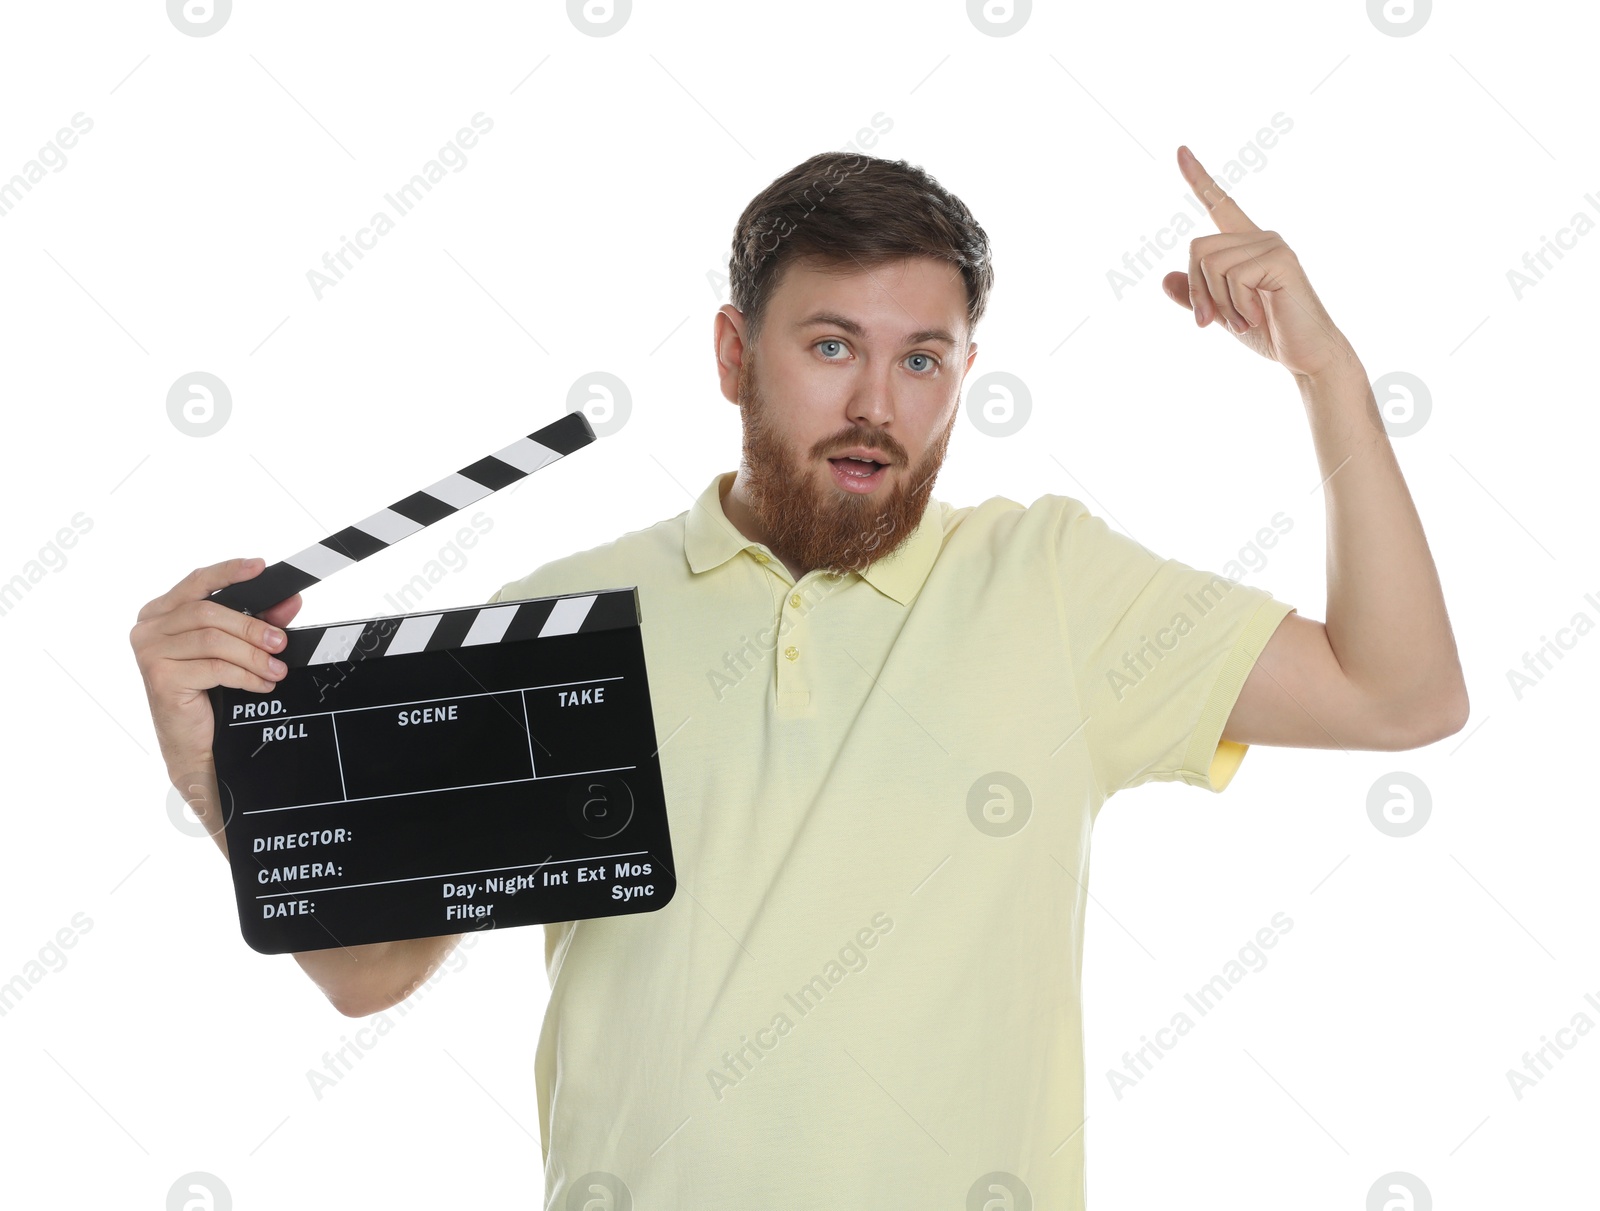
column 928, row 363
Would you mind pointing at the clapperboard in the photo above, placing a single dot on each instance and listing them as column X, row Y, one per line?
column 445, row 771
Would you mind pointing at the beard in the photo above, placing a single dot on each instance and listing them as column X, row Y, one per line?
column 823, row 526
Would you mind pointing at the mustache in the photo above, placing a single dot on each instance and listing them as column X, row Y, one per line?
column 891, row 449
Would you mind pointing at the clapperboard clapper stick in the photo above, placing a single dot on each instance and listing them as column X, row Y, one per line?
column 432, row 773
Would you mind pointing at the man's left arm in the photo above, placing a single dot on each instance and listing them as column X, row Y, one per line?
column 1382, row 672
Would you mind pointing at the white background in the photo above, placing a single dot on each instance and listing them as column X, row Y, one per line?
column 585, row 233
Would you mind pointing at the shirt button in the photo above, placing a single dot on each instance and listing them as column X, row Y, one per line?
column 794, row 600
column 791, row 652
column 760, row 558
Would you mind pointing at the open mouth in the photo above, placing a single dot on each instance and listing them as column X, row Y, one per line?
column 857, row 474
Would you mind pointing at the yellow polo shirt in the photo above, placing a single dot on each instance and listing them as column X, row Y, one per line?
column 881, row 787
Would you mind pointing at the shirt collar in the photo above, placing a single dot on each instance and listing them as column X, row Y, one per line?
column 710, row 540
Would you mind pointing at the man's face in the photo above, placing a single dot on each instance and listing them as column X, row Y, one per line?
column 871, row 363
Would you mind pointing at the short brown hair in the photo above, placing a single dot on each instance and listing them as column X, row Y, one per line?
column 843, row 210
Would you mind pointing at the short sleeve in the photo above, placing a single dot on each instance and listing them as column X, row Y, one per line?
column 1159, row 653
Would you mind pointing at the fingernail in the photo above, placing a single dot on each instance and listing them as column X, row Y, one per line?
column 276, row 665
column 275, row 638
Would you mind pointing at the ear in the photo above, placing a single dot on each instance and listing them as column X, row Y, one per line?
column 727, row 339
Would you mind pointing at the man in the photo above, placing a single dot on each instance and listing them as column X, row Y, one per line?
column 887, row 726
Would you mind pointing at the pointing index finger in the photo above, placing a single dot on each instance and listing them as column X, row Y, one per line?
column 1224, row 211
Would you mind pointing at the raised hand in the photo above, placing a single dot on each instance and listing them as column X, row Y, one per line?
column 1252, row 282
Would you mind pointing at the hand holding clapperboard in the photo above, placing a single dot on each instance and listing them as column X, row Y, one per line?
column 432, row 773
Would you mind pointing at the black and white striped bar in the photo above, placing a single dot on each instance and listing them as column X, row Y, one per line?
column 469, row 626
column 405, row 517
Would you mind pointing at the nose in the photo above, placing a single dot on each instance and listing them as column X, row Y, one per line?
column 872, row 402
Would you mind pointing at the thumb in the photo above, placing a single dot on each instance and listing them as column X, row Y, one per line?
column 1176, row 286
